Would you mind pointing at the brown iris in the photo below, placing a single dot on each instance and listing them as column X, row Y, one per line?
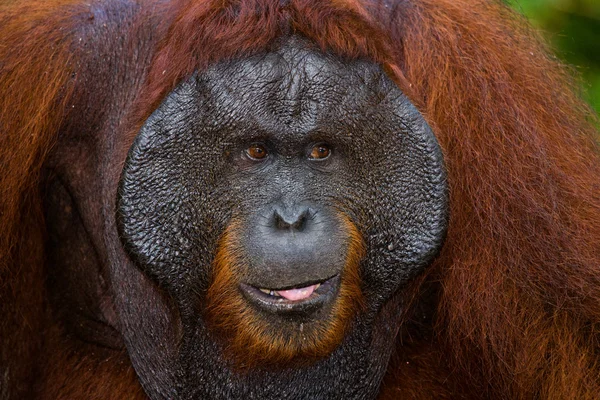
column 256, row 152
column 320, row 152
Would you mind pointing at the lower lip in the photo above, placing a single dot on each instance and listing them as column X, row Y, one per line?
column 317, row 299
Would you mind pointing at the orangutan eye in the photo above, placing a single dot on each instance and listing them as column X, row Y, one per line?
column 256, row 152
column 320, row 152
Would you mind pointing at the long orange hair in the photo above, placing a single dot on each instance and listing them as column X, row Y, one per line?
column 517, row 286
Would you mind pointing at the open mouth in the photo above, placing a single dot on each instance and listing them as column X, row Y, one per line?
column 302, row 298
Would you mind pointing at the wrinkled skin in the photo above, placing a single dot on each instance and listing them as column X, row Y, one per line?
column 187, row 176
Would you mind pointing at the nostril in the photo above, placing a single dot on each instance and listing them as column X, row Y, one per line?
column 292, row 221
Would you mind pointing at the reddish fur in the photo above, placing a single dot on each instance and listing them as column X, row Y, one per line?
column 249, row 338
column 519, row 306
column 101, row 373
column 31, row 78
column 208, row 31
column 519, row 281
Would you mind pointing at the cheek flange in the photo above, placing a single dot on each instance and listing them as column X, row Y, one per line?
column 411, row 198
column 166, row 198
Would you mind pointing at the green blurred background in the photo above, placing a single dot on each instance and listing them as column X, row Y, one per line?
column 573, row 29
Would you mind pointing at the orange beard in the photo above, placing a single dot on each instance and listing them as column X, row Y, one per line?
column 249, row 338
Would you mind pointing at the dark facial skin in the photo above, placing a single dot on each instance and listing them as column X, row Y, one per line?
column 286, row 144
column 244, row 140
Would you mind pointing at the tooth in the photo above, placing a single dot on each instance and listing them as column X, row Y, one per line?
column 265, row 291
column 318, row 286
column 272, row 293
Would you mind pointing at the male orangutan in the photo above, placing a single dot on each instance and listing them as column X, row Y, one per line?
column 303, row 199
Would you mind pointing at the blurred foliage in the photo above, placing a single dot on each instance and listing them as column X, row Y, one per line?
column 573, row 29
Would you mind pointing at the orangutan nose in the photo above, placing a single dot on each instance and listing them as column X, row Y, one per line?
column 295, row 246
column 292, row 220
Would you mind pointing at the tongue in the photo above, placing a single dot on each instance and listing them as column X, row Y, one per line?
column 297, row 294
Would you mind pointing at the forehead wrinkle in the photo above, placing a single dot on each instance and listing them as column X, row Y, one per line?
column 291, row 92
